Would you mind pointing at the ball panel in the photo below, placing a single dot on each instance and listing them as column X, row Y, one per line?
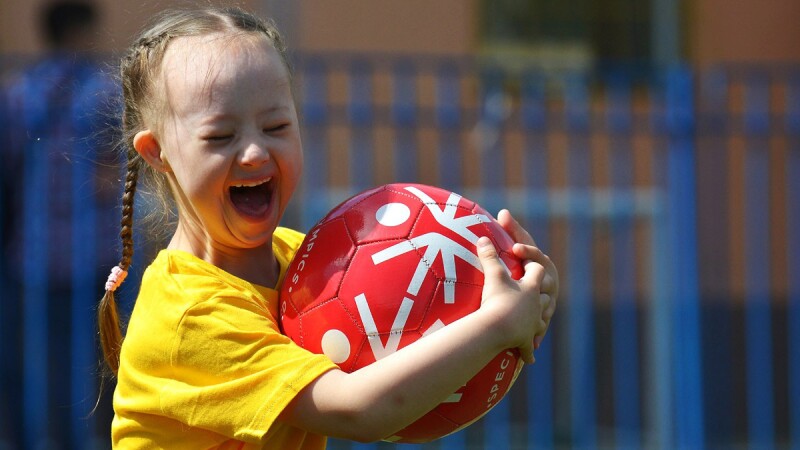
column 446, row 235
column 430, row 194
column 381, row 298
column 348, row 204
column 420, row 432
column 393, row 214
column 364, row 217
column 316, row 322
column 289, row 321
column 467, row 299
column 336, row 345
column 484, row 390
column 317, row 269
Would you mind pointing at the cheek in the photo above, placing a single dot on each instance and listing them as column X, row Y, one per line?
column 300, row 162
column 299, row 154
column 200, row 178
column 293, row 161
column 291, row 169
column 290, row 178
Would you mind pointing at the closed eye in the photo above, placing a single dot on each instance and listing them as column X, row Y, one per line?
column 276, row 128
column 218, row 138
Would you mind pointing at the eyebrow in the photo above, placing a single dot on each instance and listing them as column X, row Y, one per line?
column 215, row 117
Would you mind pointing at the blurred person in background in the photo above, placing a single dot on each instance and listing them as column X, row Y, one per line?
column 57, row 162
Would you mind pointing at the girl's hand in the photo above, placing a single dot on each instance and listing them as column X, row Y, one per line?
column 548, row 295
column 515, row 305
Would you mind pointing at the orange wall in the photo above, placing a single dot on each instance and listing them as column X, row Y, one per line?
column 718, row 30
column 744, row 31
column 419, row 26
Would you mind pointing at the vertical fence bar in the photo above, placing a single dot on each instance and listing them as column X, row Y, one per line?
column 580, row 307
column 7, row 296
column 714, row 162
column 362, row 446
column 658, row 364
column 448, row 119
column 35, row 281
column 455, row 441
column 681, row 187
column 361, row 112
column 657, row 385
column 315, row 117
column 84, row 285
column 758, row 327
column 539, row 377
column 497, row 426
column 627, row 423
column 793, row 257
column 492, row 114
column 404, row 115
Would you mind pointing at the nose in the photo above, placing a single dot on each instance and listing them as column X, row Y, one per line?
column 255, row 154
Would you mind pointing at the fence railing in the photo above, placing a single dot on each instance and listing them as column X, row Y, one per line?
column 668, row 201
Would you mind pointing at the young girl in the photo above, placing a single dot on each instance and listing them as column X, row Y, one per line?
column 210, row 118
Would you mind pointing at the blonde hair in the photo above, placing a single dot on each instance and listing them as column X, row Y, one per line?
column 139, row 69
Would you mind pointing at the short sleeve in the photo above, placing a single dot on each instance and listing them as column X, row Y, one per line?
column 233, row 372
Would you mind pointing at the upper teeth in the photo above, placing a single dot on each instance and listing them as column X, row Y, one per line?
column 251, row 183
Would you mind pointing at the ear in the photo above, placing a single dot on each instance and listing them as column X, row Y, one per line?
column 146, row 144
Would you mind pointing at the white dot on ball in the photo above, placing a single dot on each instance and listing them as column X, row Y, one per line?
column 392, row 214
column 336, row 346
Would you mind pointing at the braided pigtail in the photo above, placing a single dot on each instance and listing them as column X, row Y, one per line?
column 107, row 315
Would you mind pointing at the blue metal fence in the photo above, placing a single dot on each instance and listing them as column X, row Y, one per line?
column 793, row 261
column 608, row 171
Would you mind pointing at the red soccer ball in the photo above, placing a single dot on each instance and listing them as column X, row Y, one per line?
column 387, row 267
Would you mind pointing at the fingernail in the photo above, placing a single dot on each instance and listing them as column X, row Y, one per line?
column 537, row 341
column 484, row 241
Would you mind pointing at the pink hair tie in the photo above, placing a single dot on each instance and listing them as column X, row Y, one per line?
column 115, row 278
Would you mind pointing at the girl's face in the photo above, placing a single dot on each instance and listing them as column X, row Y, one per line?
column 230, row 139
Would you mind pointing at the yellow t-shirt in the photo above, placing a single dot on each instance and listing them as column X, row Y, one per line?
column 204, row 365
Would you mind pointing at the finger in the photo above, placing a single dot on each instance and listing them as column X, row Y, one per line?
column 548, row 283
column 527, row 354
column 547, row 304
column 544, row 300
column 550, row 310
column 490, row 261
column 513, row 228
column 548, row 307
column 525, row 251
column 534, row 273
column 541, row 326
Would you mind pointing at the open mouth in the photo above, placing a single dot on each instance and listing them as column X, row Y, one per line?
column 252, row 198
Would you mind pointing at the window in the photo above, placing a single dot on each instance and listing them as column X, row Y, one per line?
column 573, row 34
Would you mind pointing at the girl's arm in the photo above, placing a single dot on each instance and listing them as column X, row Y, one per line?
column 386, row 396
